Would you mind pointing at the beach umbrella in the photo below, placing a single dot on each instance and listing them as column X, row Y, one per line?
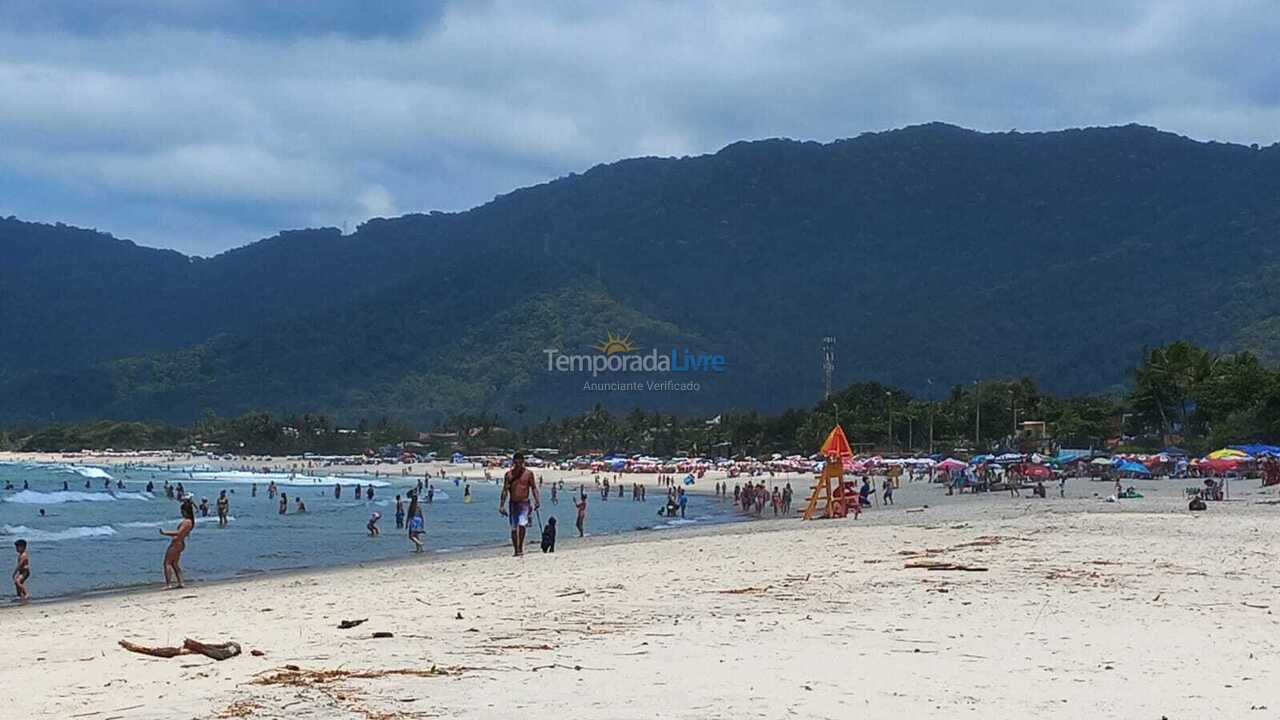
column 1131, row 466
column 1220, row 465
column 1227, row 454
column 1100, row 461
column 1257, row 450
column 1033, row 470
column 951, row 464
column 837, row 443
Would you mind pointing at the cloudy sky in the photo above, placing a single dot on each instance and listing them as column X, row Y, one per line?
column 206, row 125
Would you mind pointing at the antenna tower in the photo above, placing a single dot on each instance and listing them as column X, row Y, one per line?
column 828, row 361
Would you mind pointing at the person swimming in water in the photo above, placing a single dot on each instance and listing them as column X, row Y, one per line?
column 173, row 554
column 372, row 525
column 284, row 503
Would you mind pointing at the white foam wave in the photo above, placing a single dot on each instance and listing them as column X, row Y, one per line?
column 244, row 478
column 143, row 524
column 71, row 533
column 674, row 523
column 93, row 473
column 35, row 497
column 167, row 523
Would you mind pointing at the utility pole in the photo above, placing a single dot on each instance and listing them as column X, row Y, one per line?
column 930, row 428
column 977, row 415
column 889, row 402
column 828, row 362
column 1013, row 408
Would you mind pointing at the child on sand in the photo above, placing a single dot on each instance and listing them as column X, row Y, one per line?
column 22, row 572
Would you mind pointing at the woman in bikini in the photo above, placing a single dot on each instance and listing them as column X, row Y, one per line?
column 172, row 571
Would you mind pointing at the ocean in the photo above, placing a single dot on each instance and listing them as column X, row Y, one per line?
column 97, row 538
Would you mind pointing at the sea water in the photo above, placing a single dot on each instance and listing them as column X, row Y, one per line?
column 100, row 538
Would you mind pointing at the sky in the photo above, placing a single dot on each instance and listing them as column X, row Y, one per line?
column 201, row 125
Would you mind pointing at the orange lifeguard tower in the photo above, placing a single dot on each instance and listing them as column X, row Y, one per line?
column 830, row 496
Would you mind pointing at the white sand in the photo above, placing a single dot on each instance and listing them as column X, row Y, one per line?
column 1084, row 612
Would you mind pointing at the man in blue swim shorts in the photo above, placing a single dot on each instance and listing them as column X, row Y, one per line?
column 518, row 489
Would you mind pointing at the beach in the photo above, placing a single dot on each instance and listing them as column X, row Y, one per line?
column 1067, row 609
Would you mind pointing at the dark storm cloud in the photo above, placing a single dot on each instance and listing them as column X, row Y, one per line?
column 205, row 125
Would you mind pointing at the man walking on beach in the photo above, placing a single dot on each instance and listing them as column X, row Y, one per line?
column 517, row 485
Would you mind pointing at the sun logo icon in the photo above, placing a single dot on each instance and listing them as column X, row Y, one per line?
column 615, row 344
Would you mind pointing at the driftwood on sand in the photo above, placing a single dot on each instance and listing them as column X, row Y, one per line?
column 942, row 565
column 217, row 651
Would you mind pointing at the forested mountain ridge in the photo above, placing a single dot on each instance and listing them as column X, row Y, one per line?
column 935, row 254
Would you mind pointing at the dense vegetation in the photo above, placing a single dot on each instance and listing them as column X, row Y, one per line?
column 936, row 255
column 1181, row 393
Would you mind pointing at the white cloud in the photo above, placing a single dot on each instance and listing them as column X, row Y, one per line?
column 231, row 123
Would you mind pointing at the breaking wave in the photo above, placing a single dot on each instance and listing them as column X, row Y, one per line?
column 71, row 533
column 35, row 497
column 84, row 471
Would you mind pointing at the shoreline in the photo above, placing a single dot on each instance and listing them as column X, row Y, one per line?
column 908, row 517
column 913, row 498
column 442, row 555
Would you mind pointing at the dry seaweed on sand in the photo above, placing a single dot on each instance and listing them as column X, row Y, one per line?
column 300, row 677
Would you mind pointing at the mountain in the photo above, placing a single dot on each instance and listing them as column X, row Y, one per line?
column 935, row 254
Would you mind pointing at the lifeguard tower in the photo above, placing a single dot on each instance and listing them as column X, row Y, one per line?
column 831, row 495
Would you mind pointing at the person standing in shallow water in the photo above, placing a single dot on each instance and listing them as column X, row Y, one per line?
column 520, row 487
column 417, row 524
column 580, row 503
column 224, row 508
column 178, row 543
